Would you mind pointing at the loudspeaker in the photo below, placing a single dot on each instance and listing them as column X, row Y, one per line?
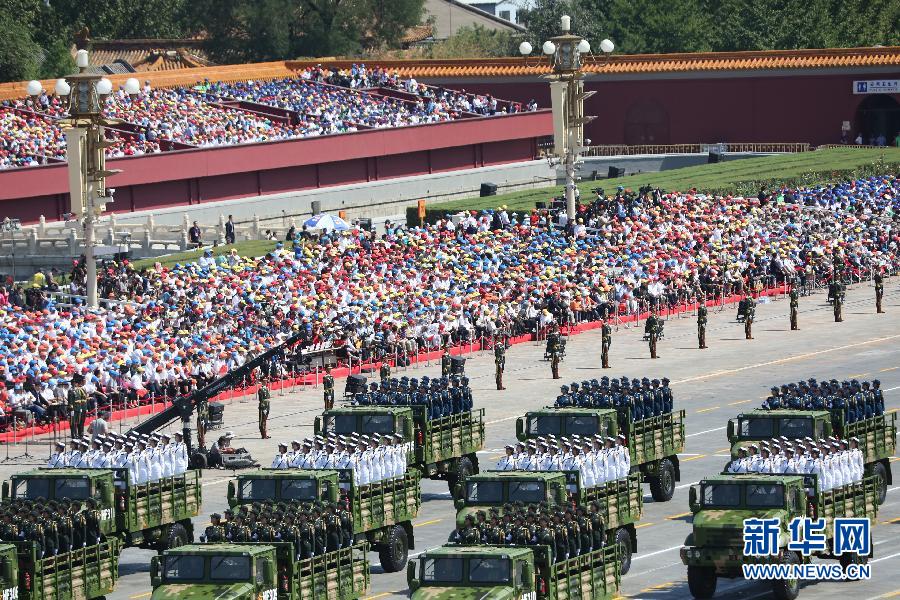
column 488, row 189
column 714, row 157
column 457, row 365
column 316, row 207
column 615, row 172
column 356, row 384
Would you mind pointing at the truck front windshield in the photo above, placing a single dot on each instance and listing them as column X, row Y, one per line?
column 489, row 570
column 756, row 428
column 581, row 425
column 544, row 425
column 378, row 424
column 526, row 491
column 53, row 489
column 484, row 492
column 298, row 489
column 721, row 495
column 183, row 568
column 765, row 495
column 795, row 427
column 340, row 424
column 257, row 489
column 229, row 568
column 442, row 570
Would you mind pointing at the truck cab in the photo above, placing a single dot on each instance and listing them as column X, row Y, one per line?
column 368, row 420
column 79, row 485
column 758, row 425
column 284, row 485
column 496, row 488
column 234, row 571
column 475, row 572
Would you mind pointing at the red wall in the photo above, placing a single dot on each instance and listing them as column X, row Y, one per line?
column 801, row 108
column 186, row 177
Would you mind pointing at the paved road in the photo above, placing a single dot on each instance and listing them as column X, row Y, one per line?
column 711, row 385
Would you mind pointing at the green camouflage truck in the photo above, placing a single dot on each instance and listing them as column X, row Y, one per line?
column 80, row 574
column 153, row 515
column 441, row 448
column 258, row 571
column 877, row 435
column 653, row 443
column 382, row 512
column 620, row 501
column 512, row 573
column 721, row 503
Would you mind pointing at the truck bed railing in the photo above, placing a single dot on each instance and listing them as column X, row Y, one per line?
column 340, row 573
column 879, row 432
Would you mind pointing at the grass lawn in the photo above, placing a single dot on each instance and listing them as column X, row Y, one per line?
column 737, row 176
column 247, row 248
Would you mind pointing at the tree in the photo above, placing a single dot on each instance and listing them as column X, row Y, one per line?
column 20, row 56
column 476, row 41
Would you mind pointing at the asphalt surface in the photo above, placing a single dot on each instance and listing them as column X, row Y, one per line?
column 712, row 385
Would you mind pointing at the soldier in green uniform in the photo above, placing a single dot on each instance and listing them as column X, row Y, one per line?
column 597, row 527
column 77, row 404
column 328, row 385
column 214, row 531
column 553, row 341
column 264, row 397
column 651, row 328
column 795, row 303
column 445, row 362
column 749, row 315
column 334, row 531
column 879, row 291
column 839, row 302
column 202, row 422
column 384, row 371
column 702, row 319
column 500, row 360
column 307, row 536
column 606, row 342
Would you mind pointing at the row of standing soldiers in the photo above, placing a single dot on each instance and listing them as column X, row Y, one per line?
column 313, row 528
column 443, row 396
column 857, row 401
column 642, row 398
column 568, row 532
column 54, row 526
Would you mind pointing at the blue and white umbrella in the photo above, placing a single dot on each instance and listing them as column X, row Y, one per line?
column 326, row 222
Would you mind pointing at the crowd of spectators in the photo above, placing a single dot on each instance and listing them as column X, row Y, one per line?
column 368, row 295
column 328, row 101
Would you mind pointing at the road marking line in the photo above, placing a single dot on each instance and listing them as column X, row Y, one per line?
column 893, row 594
column 722, row 455
column 144, row 595
column 215, row 481
column 643, row 556
column 678, row 516
column 885, row 371
column 684, row 485
column 895, row 458
column 723, row 450
column 694, row 458
column 779, row 361
column 895, row 555
column 424, row 523
column 689, row 454
column 643, row 525
column 703, row 410
column 739, row 402
column 707, row 431
column 659, row 586
column 382, row 595
column 897, row 520
column 502, row 420
column 857, row 375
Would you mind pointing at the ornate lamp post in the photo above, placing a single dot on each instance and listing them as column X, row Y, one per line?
column 86, row 95
column 567, row 98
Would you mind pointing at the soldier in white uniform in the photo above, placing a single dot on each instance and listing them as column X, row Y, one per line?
column 361, row 462
column 142, row 461
column 790, row 463
column 155, row 458
column 856, row 459
column 179, row 454
column 400, row 456
column 601, row 457
column 342, row 457
column 167, row 456
column 587, row 465
column 321, row 455
column 739, row 464
column 296, row 454
column 377, row 451
column 777, row 459
column 57, row 460
column 130, row 462
column 624, row 457
column 752, row 461
column 765, row 462
column 281, row 460
column 98, row 456
column 815, row 466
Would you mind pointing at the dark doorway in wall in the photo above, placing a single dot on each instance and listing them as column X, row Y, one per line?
column 878, row 115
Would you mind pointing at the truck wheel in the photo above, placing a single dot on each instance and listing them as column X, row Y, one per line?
column 457, row 480
column 394, row 552
column 702, row 581
column 198, row 460
column 178, row 536
column 880, row 471
column 623, row 539
column 662, row 487
column 787, row 589
column 852, row 558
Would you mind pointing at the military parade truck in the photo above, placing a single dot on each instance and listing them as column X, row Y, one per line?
column 722, row 502
column 620, row 501
column 80, row 574
column 512, row 572
column 153, row 515
column 441, row 448
column 877, row 435
column 258, row 571
column 382, row 512
column 653, row 443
